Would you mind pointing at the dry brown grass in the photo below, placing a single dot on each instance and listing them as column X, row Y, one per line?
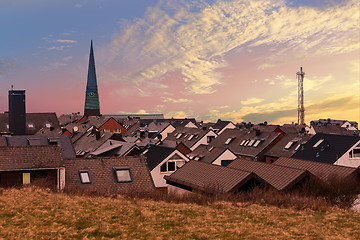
column 32, row 212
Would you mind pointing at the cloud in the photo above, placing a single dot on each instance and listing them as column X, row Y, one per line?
column 193, row 36
column 250, row 101
column 65, row 41
column 180, row 100
column 78, row 5
column 178, row 114
column 5, row 66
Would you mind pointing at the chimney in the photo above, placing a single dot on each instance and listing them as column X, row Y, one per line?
column 257, row 132
column 98, row 135
column 17, row 113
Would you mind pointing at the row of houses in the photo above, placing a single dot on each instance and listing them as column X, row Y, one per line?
column 176, row 149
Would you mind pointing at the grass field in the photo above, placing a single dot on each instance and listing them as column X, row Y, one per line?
column 34, row 213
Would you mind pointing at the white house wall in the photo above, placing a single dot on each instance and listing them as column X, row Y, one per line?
column 226, row 155
column 230, row 125
column 169, row 129
column 345, row 160
column 158, row 177
column 203, row 140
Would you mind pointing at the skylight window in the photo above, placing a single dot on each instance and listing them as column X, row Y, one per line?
column 191, row 137
column 48, row 125
column 318, row 143
column 246, row 143
column 243, row 142
column 146, row 150
column 122, row 174
column 210, row 149
column 84, row 177
column 251, row 142
column 31, row 125
column 257, row 143
column 288, row 145
column 179, row 135
column 228, row 141
column 297, row 147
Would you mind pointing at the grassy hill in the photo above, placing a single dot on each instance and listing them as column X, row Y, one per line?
column 36, row 213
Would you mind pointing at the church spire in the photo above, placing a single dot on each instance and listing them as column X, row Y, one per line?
column 92, row 106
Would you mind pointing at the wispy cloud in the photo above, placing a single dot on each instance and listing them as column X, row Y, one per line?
column 195, row 37
column 180, row 100
column 65, row 41
column 250, row 101
column 5, row 66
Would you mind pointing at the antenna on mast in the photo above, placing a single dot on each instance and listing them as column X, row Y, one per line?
column 301, row 110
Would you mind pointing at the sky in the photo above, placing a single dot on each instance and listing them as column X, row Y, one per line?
column 226, row 59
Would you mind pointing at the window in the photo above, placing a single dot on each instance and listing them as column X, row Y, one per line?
column 179, row 135
column 191, row 137
column 318, row 143
column 251, row 142
column 257, row 143
column 225, row 162
column 31, row 125
column 210, row 138
column 34, row 141
column 26, row 178
column 117, row 130
column 122, row 174
column 210, row 149
column 106, row 130
column 355, row 153
column 84, row 176
column 242, row 143
column 228, row 140
column 171, row 166
column 246, row 143
column 48, row 125
column 288, row 145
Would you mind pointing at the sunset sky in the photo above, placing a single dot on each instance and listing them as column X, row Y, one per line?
column 230, row 59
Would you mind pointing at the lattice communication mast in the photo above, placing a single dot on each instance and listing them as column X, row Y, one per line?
column 301, row 110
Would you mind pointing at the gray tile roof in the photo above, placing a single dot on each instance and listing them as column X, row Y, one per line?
column 102, row 175
column 323, row 171
column 88, row 142
column 334, row 129
column 279, row 177
column 329, row 150
column 64, row 142
column 37, row 120
column 210, row 178
column 30, row 157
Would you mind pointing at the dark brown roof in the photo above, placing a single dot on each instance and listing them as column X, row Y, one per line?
column 239, row 135
column 28, row 157
column 279, row 150
column 320, row 170
column 88, row 142
column 280, row 177
column 102, row 175
column 334, row 129
column 205, row 155
column 186, row 133
column 209, row 178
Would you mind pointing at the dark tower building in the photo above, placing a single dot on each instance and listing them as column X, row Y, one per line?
column 17, row 117
column 92, row 106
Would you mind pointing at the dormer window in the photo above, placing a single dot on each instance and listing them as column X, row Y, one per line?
column 31, row 125
column 355, row 153
column 48, row 125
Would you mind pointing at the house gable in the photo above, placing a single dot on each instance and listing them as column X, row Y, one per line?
column 111, row 125
column 227, row 155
